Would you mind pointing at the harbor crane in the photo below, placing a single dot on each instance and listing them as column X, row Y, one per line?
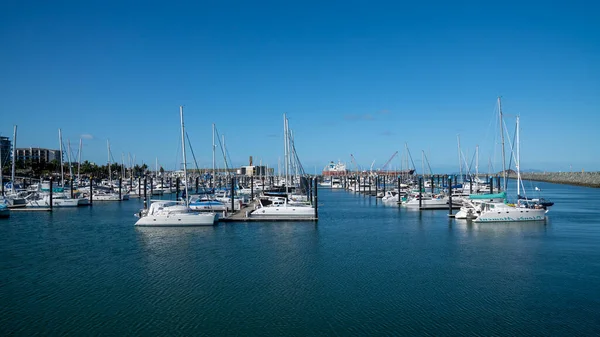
column 354, row 163
column 388, row 162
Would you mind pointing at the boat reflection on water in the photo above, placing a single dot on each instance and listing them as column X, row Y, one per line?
column 170, row 239
column 501, row 227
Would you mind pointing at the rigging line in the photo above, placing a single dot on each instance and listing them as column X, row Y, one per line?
column 301, row 168
column 471, row 164
column 204, row 189
column 427, row 161
column 221, row 147
column 297, row 158
column 192, row 150
column 410, row 155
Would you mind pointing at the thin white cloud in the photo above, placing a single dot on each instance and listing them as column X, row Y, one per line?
column 87, row 136
column 356, row 117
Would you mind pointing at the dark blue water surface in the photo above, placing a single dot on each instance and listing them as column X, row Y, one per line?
column 363, row 269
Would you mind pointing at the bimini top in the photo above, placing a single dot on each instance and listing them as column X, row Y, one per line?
column 501, row 195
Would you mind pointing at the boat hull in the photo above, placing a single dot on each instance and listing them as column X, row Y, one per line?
column 284, row 212
column 178, row 220
column 514, row 215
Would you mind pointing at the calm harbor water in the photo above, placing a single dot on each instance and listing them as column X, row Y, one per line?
column 363, row 269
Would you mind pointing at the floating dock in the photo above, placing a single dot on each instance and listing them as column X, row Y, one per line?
column 243, row 215
column 31, row 209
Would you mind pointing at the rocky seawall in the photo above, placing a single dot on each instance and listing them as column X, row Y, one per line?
column 589, row 179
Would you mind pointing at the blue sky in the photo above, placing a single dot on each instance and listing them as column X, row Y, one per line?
column 360, row 77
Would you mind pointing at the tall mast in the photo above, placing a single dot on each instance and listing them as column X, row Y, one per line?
column 285, row 151
column 477, row 161
column 69, row 158
column 213, row 151
column 109, row 168
column 79, row 164
column 184, row 159
column 14, row 159
column 292, row 159
column 502, row 137
column 518, row 163
column 459, row 157
column 422, row 162
column 62, row 174
column 225, row 154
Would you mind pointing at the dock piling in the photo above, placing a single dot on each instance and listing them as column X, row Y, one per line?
column 91, row 189
column 232, row 194
column 449, row 195
column 420, row 193
column 51, row 190
column 316, row 201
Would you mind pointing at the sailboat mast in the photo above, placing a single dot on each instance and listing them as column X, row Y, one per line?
column 502, row 137
column 130, row 164
column 477, row 161
column 422, row 162
column 459, row 157
column 184, row 158
column 14, row 160
column 62, row 174
column 292, row 157
column 285, row 147
column 213, row 152
column 69, row 158
column 518, row 163
column 109, row 163
column 79, row 164
column 225, row 154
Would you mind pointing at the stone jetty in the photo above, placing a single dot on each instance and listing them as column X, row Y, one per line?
column 589, row 179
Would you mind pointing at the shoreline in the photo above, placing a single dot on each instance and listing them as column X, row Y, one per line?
column 584, row 179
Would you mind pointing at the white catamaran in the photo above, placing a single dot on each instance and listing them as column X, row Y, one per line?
column 173, row 213
column 501, row 211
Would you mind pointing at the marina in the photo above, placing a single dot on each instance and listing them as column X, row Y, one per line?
column 88, row 269
column 209, row 168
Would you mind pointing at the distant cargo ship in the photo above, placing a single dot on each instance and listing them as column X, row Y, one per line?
column 333, row 169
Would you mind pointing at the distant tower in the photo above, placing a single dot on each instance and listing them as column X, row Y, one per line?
column 250, row 161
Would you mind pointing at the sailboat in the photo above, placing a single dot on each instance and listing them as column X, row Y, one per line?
column 501, row 211
column 12, row 198
column 60, row 198
column 173, row 213
column 282, row 207
column 107, row 193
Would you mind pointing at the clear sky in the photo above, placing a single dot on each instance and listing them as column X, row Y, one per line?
column 360, row 77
